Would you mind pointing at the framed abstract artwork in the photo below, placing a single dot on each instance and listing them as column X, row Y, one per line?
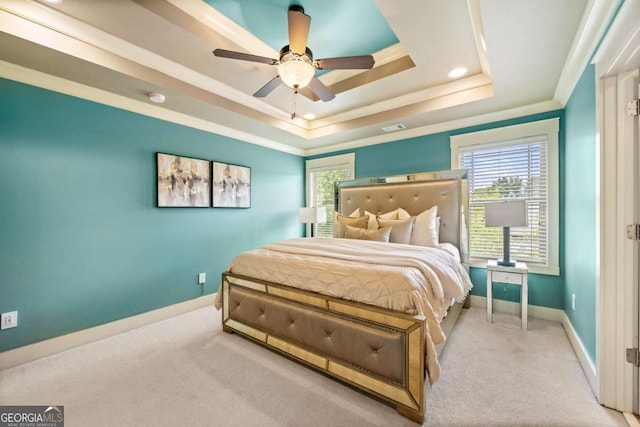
column 183, row 181
column 231, row 186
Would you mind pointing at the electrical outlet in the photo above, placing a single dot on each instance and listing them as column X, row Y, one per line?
column 9, row 320
column 202, row 277
column 573, row 302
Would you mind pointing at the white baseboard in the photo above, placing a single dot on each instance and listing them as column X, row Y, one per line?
column 555, row 315
column 27, row 353
column 587, row 365
column 546, row 313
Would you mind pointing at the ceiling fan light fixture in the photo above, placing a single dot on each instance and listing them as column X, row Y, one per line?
column 296, row 74
column 296, row 71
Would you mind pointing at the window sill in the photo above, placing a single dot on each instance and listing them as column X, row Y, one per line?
column 533, row 268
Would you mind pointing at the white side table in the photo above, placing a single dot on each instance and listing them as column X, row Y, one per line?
column 513, row 275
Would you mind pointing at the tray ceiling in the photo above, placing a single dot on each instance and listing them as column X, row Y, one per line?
column 519, row 57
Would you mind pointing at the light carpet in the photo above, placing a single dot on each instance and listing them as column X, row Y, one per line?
column 185, row 371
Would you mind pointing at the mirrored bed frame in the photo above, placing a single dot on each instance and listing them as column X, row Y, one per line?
column 300, row 323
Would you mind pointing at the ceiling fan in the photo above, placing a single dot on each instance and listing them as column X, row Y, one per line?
column 296, row 66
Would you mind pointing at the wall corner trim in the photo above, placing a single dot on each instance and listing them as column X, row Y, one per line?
column 28, row 353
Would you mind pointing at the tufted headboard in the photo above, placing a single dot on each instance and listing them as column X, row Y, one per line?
column 414, row 197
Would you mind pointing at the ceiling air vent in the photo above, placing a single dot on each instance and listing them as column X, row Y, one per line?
column 393, row 128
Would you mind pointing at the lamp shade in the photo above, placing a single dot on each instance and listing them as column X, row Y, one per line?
column 506, row 214
column 313, row 215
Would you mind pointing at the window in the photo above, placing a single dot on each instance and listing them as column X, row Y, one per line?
column 322, row 174
column 513, row 163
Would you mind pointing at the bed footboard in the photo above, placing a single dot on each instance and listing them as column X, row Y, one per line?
column 378, row 351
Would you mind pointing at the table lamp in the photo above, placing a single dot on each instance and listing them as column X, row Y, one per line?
column 506, row 214
column 313, row 215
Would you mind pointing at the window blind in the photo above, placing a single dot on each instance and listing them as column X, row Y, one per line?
column 509, row 170
column 322, row 192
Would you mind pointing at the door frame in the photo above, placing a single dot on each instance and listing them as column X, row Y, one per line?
column 617, row 63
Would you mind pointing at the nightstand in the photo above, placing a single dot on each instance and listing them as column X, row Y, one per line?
column 512, row 275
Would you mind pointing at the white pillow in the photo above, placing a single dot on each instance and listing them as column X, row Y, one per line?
column 425, row 229
column 402, row 214
column 400, row 229
column 373, row 222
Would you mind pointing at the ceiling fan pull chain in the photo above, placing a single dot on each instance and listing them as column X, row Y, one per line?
column 293, row 107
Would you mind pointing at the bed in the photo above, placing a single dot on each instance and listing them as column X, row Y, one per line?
column 308, row 298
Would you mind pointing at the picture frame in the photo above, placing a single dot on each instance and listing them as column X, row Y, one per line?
column 183, row 182
column 231, row 185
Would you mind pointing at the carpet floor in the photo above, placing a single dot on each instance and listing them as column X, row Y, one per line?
column 185, row 371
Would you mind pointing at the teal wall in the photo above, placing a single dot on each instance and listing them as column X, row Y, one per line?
column 433, row 152
column 82, row 241
column 580, row 209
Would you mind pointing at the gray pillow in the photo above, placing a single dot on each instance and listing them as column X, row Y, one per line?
column 400, row 229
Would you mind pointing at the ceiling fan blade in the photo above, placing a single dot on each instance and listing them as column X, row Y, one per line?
column 268, row 88
column 321, row 90
column 298, row 29
column 364, row 62
column 244, row 56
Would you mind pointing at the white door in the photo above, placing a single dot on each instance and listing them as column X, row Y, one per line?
column 619, row 206
column 637, row 290
column 617, row 64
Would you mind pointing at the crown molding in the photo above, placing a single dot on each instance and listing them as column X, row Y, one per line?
column 46, row 81
column 597, row 16
column 527, row 110
column 618, row 51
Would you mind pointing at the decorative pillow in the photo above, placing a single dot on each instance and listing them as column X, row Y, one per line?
column 353, row 214
column 373, row 223
column 339, row 228
column 426, row 228
column 379, row 235
column 336, row 226
column 402, row 214
column 400, row 229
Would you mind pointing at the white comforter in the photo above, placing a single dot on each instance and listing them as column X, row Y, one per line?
column 410, row 279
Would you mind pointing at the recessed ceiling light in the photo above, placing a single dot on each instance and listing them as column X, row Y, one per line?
column 309, row 116
column 158, row 98
column 52, row 1
column 457, row 72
